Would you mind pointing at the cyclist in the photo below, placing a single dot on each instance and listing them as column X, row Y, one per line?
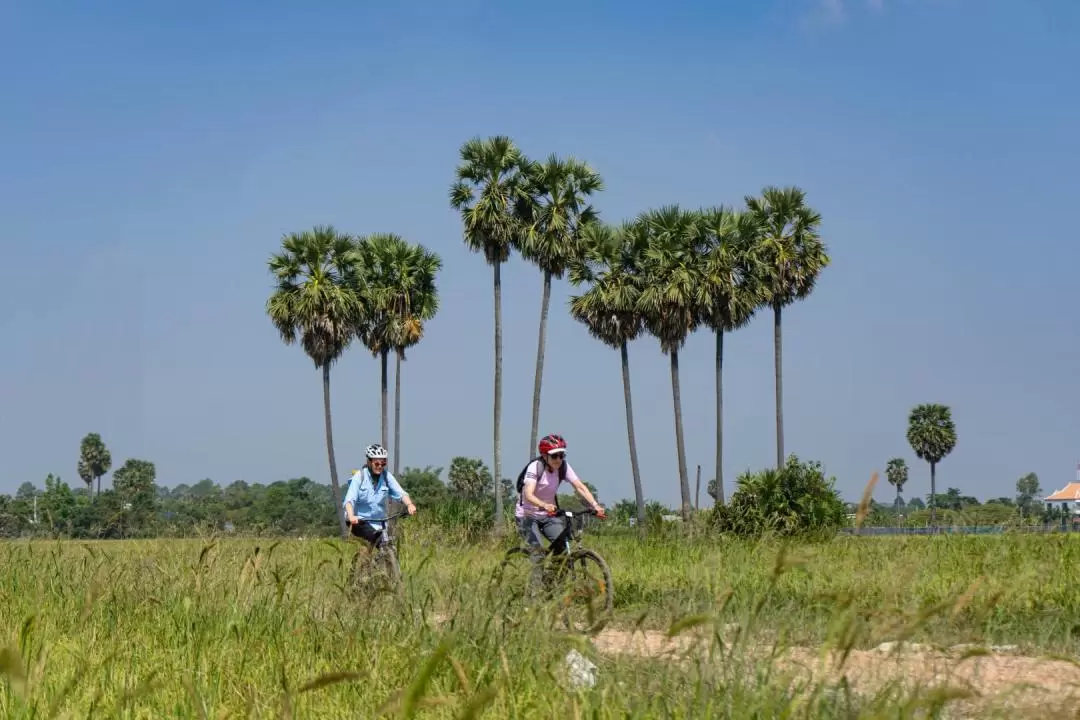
column 538, row 491
column 367, row 492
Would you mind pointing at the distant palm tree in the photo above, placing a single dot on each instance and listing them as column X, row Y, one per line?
column 734, row 291
column 315, row 302
column 94, row 461
column 932, row 435
column 793, row 257
column 672, row 298
column 401, row 285
column 608, row 308
column 553, row 212
column 896, row 472
column 489, row 187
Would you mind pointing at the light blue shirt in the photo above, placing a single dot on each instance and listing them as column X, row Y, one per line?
column 367, row 497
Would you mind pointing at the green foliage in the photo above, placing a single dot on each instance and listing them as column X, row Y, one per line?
column 795, row 500
column 470, row 479
column 425, row 487
column 1028, row 491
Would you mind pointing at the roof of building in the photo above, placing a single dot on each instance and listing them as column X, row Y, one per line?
column 1069, row 492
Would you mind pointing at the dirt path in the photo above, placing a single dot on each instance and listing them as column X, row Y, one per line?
column 994, row 678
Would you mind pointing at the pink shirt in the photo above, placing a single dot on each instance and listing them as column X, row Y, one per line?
column 547, row 486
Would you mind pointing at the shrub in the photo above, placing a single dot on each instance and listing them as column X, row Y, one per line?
column 795, row 500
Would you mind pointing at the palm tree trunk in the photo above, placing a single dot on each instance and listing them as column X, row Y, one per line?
column 497, row 435
column 933, row 495
column 684, row 479
column 719, row 417
column 639, row 493
column 98, row 486
column 385, row 406
column 779, row 389
column 330, row 451
column 540, row 363
column 397, row 413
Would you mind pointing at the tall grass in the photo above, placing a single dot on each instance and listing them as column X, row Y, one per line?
column 239, row 628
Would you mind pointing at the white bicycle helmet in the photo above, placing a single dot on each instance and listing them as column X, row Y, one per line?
column 376, row 452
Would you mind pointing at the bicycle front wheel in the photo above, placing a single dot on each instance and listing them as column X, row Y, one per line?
column 587, row 594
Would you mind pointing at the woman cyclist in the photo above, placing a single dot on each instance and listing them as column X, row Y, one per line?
column 540, row 486
column 367, row 493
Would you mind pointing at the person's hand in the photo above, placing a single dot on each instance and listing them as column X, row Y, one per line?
column 550, row 508
column 411, row 508
column 600, row 512
column 353, row 519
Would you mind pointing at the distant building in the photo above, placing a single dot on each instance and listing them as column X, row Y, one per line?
column 1068, row 497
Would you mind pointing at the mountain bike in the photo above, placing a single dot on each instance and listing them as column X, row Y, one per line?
column 579, row 578
column 380, row 560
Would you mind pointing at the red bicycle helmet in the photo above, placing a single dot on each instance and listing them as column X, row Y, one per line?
column 551, row 443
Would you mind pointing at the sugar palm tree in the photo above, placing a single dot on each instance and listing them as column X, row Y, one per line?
column 896, row 472
column 316, row 304
column 94, row 461
column 553, row 212
column 672, row 298
column 932, row 435
column 793, row 257
column 608, row 308
column 397, row 278
column 734, row 292
column 411, row 299
column 488, row 188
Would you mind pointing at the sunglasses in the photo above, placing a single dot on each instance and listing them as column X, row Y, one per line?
column 378, row 462
column 557, row 456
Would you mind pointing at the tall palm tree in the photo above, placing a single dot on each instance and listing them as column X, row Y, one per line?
column 672, row 298
column 608, row 308
column 488, row 188
column 315, row 302
column 553, row 212
column 932, row 435
column 896, row 472
column 408, row 296
column 94, row 461
column 734, row 292
column 794, row 256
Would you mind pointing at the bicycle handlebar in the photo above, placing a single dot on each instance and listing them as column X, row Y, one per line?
column 570, row 513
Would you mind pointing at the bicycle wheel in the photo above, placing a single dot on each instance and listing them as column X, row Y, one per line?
column 586, row 592
column 510, row 579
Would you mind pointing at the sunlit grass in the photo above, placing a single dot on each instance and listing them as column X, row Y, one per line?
column 244, row 628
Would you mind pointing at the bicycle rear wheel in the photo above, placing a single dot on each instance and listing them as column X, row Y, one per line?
column 586, row 593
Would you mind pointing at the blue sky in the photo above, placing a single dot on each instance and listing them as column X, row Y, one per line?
column 152, row 155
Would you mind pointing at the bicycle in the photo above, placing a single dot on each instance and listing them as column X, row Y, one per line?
column 383, row 556
column 569, row 571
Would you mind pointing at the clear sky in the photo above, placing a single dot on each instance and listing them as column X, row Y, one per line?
column 153, row 154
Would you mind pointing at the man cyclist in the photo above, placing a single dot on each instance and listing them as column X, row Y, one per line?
column 538, row 491
column 367, row 492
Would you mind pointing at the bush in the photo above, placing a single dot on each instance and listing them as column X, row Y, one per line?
column 795, row 500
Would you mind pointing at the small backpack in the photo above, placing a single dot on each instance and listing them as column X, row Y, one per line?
column 521, row 475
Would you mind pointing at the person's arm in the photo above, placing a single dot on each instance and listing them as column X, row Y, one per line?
column 398, row 493
column 582, row 491
column 350, row 496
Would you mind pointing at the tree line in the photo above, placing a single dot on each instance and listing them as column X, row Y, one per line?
column 666, row 272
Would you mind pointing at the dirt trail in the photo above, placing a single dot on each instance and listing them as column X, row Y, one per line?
column 997, row 678
column 1001, row 678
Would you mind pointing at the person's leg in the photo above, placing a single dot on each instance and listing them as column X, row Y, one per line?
column 530, row 532
column 365, row 531
column 551, row 528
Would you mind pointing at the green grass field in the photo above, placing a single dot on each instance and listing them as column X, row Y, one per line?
column 214, row 629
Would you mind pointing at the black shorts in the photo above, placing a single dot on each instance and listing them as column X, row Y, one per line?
column 366, row 531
